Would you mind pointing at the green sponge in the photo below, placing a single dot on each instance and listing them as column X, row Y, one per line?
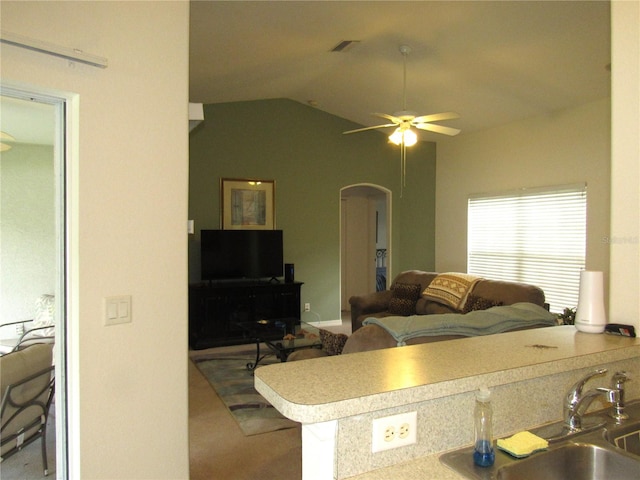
column 522, row 444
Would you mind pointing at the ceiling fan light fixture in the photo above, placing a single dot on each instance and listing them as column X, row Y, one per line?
column 396, row 137
column 407, row 137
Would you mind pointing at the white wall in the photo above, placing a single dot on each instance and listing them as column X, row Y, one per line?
column 128, row 201
column 625, row 171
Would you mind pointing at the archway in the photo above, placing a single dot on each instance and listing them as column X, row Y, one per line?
column 365, row 240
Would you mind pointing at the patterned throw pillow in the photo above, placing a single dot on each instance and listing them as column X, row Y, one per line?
column 44, row 316
column 332, row 343
column 475, row 302
column 450, row 288
column 403, row 301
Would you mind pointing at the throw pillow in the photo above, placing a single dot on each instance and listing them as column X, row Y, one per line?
column 475, row 302
column 404, row 298
column 44, row 316
column 332, row 343
column 450, row 289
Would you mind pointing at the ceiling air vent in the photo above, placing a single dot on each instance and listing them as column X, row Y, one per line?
column 345, row 45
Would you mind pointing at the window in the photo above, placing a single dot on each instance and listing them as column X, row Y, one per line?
column 535, row 236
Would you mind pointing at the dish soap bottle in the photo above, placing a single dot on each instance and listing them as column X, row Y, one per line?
column 483, row 454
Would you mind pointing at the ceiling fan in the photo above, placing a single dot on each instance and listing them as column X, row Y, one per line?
column 8, row 138
column 404, row 120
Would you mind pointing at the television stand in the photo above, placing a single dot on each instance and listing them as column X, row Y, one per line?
column 216, row 308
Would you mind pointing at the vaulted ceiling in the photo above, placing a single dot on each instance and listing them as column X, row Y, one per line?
column 491, row 62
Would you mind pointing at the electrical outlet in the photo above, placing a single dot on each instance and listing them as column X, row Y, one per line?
column 394, row 431
column 307, row 307
column 404, row 431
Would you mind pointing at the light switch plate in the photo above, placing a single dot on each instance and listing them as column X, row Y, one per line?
column 117, row 310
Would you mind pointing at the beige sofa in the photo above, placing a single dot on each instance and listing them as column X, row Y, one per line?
column 482, row 295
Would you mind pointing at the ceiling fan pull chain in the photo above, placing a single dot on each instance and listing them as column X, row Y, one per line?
column 403, row 167
column 404, row 82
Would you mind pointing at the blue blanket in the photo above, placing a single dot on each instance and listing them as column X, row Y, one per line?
column 479, row 322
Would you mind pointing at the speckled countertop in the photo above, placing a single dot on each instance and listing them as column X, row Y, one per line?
column 419, row 469
column 328, row 388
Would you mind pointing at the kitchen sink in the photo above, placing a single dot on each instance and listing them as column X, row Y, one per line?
column 626, row 437
column 606, row 450
column 575, row 461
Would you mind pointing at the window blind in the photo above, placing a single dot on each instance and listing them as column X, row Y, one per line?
column 535, row 236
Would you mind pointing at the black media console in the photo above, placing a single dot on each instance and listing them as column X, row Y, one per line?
column 215, row 308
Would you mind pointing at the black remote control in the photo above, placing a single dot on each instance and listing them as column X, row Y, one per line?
column 620, row 329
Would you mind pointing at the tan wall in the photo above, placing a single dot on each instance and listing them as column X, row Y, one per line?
column 546, row 145
column 571, row 146
column 625, row 172
column 128, row 180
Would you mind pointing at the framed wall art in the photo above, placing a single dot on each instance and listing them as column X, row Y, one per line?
column 247, row 204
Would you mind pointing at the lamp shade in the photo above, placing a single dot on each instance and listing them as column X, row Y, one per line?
column 406, row 136
column 590, row 315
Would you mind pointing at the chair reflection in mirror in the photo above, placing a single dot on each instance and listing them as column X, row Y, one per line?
column 27, row 389
column 40, row 329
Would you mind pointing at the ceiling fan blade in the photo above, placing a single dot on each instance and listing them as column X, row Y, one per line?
column 370, row 128
column 438, row 129
column 395, row 120
column 436, row 117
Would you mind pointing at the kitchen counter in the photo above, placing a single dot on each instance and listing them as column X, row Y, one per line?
column 423, row 468
column 342, row 394
column 322, row 389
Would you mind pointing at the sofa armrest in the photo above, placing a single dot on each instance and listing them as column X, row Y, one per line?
column 369, row 303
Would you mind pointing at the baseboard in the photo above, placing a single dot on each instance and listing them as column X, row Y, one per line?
column 307, row 316
column 326, row 323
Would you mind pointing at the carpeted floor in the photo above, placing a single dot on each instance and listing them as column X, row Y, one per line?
column 233, row 382
column 218, row 449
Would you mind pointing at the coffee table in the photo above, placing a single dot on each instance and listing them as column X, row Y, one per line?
column 281, row 336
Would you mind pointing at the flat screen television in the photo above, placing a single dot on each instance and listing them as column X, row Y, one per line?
column 241, row 254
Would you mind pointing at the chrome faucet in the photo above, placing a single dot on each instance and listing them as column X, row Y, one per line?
column 615, row 395
column 576, row 402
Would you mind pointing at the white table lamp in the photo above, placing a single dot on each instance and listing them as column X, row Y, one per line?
column 590, row 315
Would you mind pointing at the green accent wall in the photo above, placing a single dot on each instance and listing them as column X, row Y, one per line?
column 304, row 151
column 27, row 230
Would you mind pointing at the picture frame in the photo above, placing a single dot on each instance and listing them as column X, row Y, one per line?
column 247, row 204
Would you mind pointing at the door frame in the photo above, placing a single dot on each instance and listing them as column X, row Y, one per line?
column 65, row 156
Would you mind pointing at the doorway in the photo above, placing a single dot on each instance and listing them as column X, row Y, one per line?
column 33, row 237
column 365, row 240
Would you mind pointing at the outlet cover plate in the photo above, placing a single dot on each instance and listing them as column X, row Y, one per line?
column 386, row 431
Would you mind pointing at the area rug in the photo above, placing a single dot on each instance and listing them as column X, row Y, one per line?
column 229, row 377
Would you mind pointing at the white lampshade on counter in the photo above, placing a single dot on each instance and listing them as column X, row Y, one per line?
column 590, row 315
